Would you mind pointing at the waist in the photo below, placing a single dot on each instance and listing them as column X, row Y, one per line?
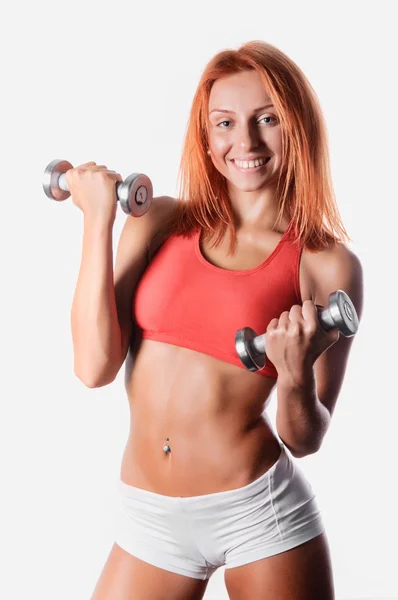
column 207, row 461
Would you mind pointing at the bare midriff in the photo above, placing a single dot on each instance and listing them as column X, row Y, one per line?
column 212, row 413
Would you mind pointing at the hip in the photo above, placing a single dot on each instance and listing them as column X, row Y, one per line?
column 195, row 535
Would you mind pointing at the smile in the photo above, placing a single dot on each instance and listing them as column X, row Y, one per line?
column 251, row 169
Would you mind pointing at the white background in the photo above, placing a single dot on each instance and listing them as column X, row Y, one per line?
column 113, row 82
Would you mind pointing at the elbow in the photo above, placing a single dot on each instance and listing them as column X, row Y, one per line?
column 98, row 377
column 303, row 450
column 96, row 381
column 101, row 383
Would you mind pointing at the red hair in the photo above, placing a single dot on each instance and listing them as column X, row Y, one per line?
column 304, row 191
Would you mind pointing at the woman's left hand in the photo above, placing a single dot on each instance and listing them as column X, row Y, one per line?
column 295, row 340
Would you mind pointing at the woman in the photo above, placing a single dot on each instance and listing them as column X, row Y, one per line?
column 205, row 481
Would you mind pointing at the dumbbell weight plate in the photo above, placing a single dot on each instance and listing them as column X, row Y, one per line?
column 135, row 194
column 51, row 176
column 343, row 314
column 253, row 360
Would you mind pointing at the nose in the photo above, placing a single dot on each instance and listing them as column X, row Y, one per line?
column 248, row 139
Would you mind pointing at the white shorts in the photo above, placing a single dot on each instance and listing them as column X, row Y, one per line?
column 195, row 535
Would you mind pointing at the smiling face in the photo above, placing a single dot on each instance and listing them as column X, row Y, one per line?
column 243, row 124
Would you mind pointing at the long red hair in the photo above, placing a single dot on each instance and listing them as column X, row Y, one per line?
column 304, row 190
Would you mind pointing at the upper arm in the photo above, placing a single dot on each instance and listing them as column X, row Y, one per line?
column 132, row 259
column 340, row 270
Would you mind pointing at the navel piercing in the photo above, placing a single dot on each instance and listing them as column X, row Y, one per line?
column 167, row 447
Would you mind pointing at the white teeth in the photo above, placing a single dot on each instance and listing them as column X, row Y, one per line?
column 250, row 164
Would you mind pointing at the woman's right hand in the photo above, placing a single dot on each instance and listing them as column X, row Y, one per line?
column 93, row 190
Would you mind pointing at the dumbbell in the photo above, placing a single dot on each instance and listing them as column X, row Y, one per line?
column 135, row 193
column 340, row 313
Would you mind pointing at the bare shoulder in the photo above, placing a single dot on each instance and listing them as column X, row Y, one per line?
column 336, row 256
column 163, row 207
column 336, row 267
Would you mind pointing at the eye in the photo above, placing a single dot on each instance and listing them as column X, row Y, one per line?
column 273, row 118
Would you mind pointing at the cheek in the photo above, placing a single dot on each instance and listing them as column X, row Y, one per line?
column 220, row 149
column 219, row 143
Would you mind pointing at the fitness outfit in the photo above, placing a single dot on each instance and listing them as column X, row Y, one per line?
column 196, row 535
column 184, row 300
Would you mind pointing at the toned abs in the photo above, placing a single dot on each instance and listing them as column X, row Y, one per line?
column 211, row 411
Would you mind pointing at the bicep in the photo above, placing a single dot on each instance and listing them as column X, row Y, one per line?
column 132, row 258
column 343, row 272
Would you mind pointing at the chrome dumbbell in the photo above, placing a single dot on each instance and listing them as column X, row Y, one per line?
column 135, row 193
column 340, row 313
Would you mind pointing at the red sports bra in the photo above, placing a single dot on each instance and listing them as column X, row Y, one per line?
column 184, row 300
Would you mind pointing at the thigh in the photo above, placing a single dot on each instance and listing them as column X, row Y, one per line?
column 125, row 577
column 302, row 573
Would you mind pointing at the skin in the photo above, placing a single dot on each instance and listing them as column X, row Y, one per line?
column 242, row 134
column 212, row 411
column 228, row 402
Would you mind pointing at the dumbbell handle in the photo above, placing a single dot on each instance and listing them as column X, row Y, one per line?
column 63, row 185
column 325, row 319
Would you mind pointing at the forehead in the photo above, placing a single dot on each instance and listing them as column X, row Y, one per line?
column 240, row 89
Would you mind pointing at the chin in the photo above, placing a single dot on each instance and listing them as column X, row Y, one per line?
column 249, row 187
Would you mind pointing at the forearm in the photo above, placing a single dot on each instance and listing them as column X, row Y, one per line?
column 301, row 419
column 95, row 328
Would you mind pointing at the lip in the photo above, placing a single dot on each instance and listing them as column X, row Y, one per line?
column 253, row 170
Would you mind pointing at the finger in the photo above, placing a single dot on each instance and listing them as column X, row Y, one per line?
column 284, row 319
column 309, row 309
column 115, row 175
column 296, row 314
column 273, row 324
column 310, row 315
column 93, row 167
column 86, row 166
column 111, row 172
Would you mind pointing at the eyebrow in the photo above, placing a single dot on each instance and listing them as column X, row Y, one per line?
column 223, row 110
